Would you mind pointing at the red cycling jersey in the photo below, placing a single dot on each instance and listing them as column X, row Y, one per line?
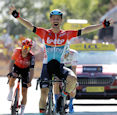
column 20, row 61
column 55, row 43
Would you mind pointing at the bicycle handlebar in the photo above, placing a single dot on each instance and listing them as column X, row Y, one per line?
column 19, row 77
column 48, row 81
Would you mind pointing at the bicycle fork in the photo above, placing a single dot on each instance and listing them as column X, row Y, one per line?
column 51, row 107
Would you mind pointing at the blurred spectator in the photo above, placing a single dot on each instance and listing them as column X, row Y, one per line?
column 38, row 49
column 115, row 42
column 95, row 39
column 6, row 42
column 21, row 37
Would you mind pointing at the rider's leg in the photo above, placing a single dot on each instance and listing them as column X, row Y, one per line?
column 11, row 84
column 24, row 100
column 70, row 86
column 71, row 83
column 42, row 102
column 56, row 91
column 44, row 89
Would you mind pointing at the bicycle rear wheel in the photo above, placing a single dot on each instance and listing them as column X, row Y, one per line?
column 63, row 106
column 14, row 109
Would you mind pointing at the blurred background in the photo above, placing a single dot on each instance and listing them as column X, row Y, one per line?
column 84, row 13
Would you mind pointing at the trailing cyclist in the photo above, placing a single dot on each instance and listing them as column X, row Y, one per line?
column 55, row 41
column 70, row 60
column 22, row 63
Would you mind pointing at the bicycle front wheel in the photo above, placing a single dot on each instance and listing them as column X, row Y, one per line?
column 50, row 106
column 14, row 108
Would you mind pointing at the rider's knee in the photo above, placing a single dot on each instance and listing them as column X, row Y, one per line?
column 72, row 78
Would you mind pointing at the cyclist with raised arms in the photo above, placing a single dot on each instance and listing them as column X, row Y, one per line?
column 55, row 40
column 22, row 63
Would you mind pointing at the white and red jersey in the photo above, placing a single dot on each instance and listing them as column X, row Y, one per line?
column 71, row 59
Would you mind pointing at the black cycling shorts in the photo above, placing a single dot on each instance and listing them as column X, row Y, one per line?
column 45, row 75
column 24, row 74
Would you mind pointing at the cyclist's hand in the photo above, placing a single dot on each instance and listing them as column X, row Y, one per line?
column 107, row 23
column 9, row 74
column 29, row 84
column 14, row 12
column 11, row 9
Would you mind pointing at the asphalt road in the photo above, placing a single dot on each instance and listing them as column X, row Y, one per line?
column 82, row 107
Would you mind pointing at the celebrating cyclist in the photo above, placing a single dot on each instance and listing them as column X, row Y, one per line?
column 22, row 63
column 70, row 60
column 55, row 40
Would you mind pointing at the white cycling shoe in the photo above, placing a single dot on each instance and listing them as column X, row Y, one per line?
column 22, row 109
column 9, row 98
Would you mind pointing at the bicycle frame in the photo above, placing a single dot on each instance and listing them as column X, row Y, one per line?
column 50, row 108
column 50, row 104
column 15, row 101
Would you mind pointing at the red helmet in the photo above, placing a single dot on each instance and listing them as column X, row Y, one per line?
column 27, row 42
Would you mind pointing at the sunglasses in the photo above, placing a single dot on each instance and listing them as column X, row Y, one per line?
column 26, row 47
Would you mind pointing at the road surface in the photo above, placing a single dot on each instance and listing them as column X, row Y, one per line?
column 84, row 107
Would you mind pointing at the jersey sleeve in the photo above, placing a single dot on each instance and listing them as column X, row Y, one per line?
column 15, row 54
column 39, row 31
column 73, row 33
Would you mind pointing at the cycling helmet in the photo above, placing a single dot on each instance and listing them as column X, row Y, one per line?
column 56, row 12
column 67, row 52
column 27, row 43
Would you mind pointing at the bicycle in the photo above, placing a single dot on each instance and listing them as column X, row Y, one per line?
column 16, row 95
column 50, row 107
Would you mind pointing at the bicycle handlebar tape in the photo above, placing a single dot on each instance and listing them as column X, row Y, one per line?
column 106, row 23
column 15, row 14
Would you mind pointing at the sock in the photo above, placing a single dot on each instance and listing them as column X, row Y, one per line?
column 9, row 97
column 56, row 97
column 11, row 89
column 42, row 112
column 71, row 101
column 22, row 109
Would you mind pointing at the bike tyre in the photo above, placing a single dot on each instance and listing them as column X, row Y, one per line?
column 50, row 106
column 14, row 106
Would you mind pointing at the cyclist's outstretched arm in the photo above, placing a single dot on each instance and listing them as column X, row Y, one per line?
column 16, row 14
column 92, row 28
